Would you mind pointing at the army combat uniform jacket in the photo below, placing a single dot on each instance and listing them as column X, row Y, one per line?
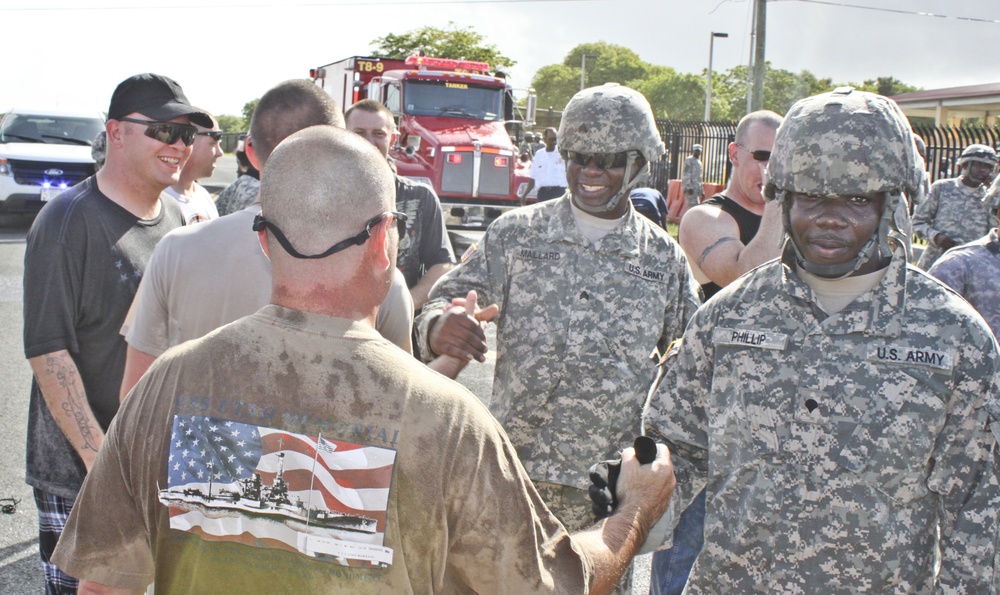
column 577, row 324
column 973, row 270
column 954, row 209
column 833, row 447
column 691, row 181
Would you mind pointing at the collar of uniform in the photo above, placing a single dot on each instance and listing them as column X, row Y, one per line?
column 562, row 228
column 883, row 317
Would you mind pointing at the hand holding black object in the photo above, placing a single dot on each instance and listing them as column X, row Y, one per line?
column 604, row 477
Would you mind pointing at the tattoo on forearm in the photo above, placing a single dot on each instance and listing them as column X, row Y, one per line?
column 75, row 406
column 709, row 250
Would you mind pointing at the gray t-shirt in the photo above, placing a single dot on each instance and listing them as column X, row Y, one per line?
column 84, row 258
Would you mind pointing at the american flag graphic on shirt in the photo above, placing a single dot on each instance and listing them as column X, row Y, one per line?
column 257, row 485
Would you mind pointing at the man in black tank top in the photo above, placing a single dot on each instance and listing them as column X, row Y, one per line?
column 720, row 236
column 723, row 237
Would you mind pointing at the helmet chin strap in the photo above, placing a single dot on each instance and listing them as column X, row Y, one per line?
column 840, row 270
column 625, row 189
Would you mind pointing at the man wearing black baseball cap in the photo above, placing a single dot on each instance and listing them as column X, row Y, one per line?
column 85, row 255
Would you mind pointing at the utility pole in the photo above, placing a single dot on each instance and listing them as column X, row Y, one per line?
column 583, row 68
column 708, row 85
column 755, row 91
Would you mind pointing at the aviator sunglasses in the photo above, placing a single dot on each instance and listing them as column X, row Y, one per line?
column 601, row 160
column 259, row 223
column 167, row 132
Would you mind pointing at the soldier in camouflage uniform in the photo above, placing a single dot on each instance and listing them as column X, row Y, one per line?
column 587, row 288
column 973, row 269
column 691, row 181
column 954, row 212
column 835, row 404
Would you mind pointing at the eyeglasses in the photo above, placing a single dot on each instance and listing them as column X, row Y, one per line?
column 601, row 160
column 760, row 155
column 167, row 132
column 215, row 134
column 259, row 223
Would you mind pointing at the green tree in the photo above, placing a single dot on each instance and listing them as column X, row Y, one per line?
column 675, row 96
column 555, row 84
column 456, row 43
column 885, row 85
column 606, row 63
column 248, row 109
column 230, row 123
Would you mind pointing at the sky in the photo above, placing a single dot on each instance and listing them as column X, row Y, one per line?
column 70, row 54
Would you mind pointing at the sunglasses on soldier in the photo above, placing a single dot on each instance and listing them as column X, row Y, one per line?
column 601, row 160
column 166, row 132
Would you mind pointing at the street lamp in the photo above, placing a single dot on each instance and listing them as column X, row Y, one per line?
column 583, row 67
column 708, row 89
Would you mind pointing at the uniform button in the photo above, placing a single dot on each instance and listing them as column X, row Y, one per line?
column 811, row 405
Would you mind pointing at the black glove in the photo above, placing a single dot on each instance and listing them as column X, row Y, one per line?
column 604, row 478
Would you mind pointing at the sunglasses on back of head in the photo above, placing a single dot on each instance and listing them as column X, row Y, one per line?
column 601, row 160
column 167, row 132
column 260, row 223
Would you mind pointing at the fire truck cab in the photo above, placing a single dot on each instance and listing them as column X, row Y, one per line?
column 451, row 118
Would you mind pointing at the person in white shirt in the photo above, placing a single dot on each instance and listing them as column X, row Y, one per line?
column 548, row 171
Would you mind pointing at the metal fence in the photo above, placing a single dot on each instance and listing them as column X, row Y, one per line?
column 944, row 146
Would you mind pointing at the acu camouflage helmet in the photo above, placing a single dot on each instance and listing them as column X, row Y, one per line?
column 980, row 153
column 849, row 143
column 612, row 119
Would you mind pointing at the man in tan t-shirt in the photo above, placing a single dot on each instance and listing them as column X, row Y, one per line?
column 295, row 450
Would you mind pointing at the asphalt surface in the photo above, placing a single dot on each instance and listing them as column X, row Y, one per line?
column 20, row 569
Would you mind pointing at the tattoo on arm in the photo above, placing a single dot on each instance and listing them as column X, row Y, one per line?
column 710, row 249
column 75, row 406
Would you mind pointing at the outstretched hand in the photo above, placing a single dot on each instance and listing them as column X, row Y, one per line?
column 458, row 331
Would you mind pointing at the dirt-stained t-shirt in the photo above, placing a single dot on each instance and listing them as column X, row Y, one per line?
column 295, row 452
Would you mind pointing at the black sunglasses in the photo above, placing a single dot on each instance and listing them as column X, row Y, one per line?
column 601, row 160
column 759, row 155
column 215, row 134
column 259, row 223
column 167, row 132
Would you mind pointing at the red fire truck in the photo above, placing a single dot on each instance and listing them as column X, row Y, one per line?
column 451, row 117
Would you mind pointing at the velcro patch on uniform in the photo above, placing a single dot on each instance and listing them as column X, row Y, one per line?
column 898, row 354
column 749, row 338
column 644, row 273
column 530, row 254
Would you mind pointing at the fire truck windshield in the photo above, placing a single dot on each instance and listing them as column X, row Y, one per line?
column 453, row 99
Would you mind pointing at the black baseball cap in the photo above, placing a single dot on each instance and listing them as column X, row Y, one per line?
column 155, row 96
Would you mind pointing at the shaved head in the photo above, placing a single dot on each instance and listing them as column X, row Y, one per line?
column 287, row 108
column 321, row 185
